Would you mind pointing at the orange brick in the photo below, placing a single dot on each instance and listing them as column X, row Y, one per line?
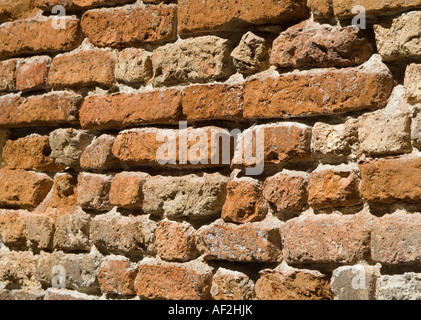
column 31, row 74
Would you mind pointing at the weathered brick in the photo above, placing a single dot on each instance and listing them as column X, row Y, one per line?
column 67, row 146
column 316, row 92
column 173, row 281
column 399, row 287
column 123, row 110
column 326, row 238
column 30, row 153
column 244, row 202
column 287, row 193
column 67, row 295
column 396, row 239
column 412, row 82
column 16, row 9
column 255, row 242
column 321, row 9
column 131, row 236
column 416, row 128
column 40, row 230
column 200, row 59
column 13, row 227
column 117, row 276
column 126, row 189
column 8, row 75
column 98, row 155
column 93, row 191
column 373, row 8
column 311, row 45
column 83, row 68
column 356, row 282
column 51, row 109
column 390, row 180
column 146, row 147
column 27, row 294
column 32, row 73
column 333, row 188
column 24, row 189
column 286, row 283
column 185, row 196
column 17, row 268
column 4, row 136
column 231, row 285
column 399, row 39
column 130, row 25
column 133, row 66
column 227, row 14
column 76, row 5
column 38, row 36
column 213, row 102
column 176, row 241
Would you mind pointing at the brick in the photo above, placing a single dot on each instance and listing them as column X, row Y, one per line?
column 176, row 241
column 16, row 9
column 255, row 242
column 173, row 281
column 67, row 146
column 321, row 9
column 98, row 155
column 286, row 283
column 67, row 295
column 356, row 282
column 287, row 193
column 130, row 26
column 93, row 191
column 194, row 17
column 4, row 135
column 130, row 147
column 38, row 36
column 13, row 228
column 200, row 59
column 124, row 110
column 133, row 66
column 130, row 236
column 51, row 109
column 282, row 143
column 40, row 230
column 344, row 8
column 213, row 102
column 185, row 196
column 412, row 82
column 8, row 75
column 399, row 38
column 396, row 239
column 24, row 189
column 231, row 285
column 390, row 180
column 30, row 153
column 27, row 294
column 312, row 45
column 399, row 287
column 416, row 128
column 117, row 276
column 32, row 73
column 83, row 68
column 317, row 92
column 335, row 143
column 333, row 188
column 126, row 189
column 326, row 238
column 79, row 271
column 17, row 269
column 244, row 202
column 76, row 5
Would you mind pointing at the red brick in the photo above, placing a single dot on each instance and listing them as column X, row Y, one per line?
column 21, row 188
column 325, row 91
column 76, row 5
column 173, row 282
column 16, row 9
column 67, row 295
column 83, row 68
column 8, row 75
column 373, row 8
column 98, row 156
column 31, row 74
column 326, row 238
column 213, row 102
column 51, row 109
column 391, row 180
column 210, row 15
column 126, row 190
column 30, row 153
column 333, row 188
column 37, row 36
column 117, row 277
column 130, row 25
column 127, row 110
column 13, row 227
column 93, row 191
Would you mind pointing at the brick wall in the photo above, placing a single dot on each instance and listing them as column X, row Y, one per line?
column 88, row 101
